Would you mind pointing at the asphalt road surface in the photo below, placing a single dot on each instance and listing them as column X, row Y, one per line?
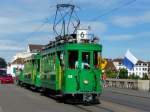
column 17, row 99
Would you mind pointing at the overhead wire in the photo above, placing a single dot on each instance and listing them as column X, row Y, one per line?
column 113, row 10
column 37, row 29
column 45, row 21
column 94, row 19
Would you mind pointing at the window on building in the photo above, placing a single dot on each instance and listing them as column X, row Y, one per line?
column 139, row 69
column 145, row 64
column 139, row 73
column 119, row 63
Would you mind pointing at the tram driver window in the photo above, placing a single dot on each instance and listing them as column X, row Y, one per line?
column 85, row 60
column 72, row 59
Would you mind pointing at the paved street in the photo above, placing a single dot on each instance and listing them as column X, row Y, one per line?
column 130, row 98
column 17, row 99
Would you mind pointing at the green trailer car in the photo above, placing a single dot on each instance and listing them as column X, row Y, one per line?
column 30, row 75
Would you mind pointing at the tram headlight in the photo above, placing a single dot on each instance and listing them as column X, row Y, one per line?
column 86, row 81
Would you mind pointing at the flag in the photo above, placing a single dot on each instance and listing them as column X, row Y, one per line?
column 129, row 60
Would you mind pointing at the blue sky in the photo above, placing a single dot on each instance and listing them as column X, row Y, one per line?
column 126, row 28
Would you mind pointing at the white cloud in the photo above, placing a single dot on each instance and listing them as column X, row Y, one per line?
column 126, row 37
column 5, row 20
column 122, row 37
column 124, row 21
column 40, row 39
column 97, row 3
column 23, row 16
column 143, row 34
column 95, row 27
column 24, row 28
column 130, row 21
column 10, row 45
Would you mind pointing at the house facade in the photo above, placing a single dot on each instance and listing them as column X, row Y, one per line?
column 149, row 69
column 140, row 69
column 19, row 59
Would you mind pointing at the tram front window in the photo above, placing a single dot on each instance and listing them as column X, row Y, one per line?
column 72, row 59
column 85, row 60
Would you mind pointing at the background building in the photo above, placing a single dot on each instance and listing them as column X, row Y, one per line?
column 140, row 69
column 31, row 49
column 19, row 59
column 148, row 69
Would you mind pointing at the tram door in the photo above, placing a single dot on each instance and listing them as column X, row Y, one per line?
column 85, row 73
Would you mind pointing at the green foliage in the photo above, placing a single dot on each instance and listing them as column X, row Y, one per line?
column 123, row 74
column 145, row 77
column 133, row 76
column 111, row 74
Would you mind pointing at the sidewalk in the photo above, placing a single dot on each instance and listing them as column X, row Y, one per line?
column 137, row 93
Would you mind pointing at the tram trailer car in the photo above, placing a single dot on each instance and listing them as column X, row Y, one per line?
column 30, row 75
column 68, row 69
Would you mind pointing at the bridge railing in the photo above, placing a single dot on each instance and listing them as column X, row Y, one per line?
column 129, row 84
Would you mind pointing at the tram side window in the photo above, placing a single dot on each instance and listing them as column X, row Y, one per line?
column 60, row 55
column 85, row 60
column 38, row 65
column 96, row 58
column 72, row 59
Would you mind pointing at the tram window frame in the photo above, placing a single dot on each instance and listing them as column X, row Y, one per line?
column 86, row 62
column 96, row 59
column 73, row 59
column 61, row 55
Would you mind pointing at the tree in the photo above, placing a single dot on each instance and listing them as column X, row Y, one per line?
column 133, row 76
column 145, row 77
column 3, row 63
column 136, row 77
column 123, row 73
column 111, row 74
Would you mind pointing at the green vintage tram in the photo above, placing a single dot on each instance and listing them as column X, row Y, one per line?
column 68, row 67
